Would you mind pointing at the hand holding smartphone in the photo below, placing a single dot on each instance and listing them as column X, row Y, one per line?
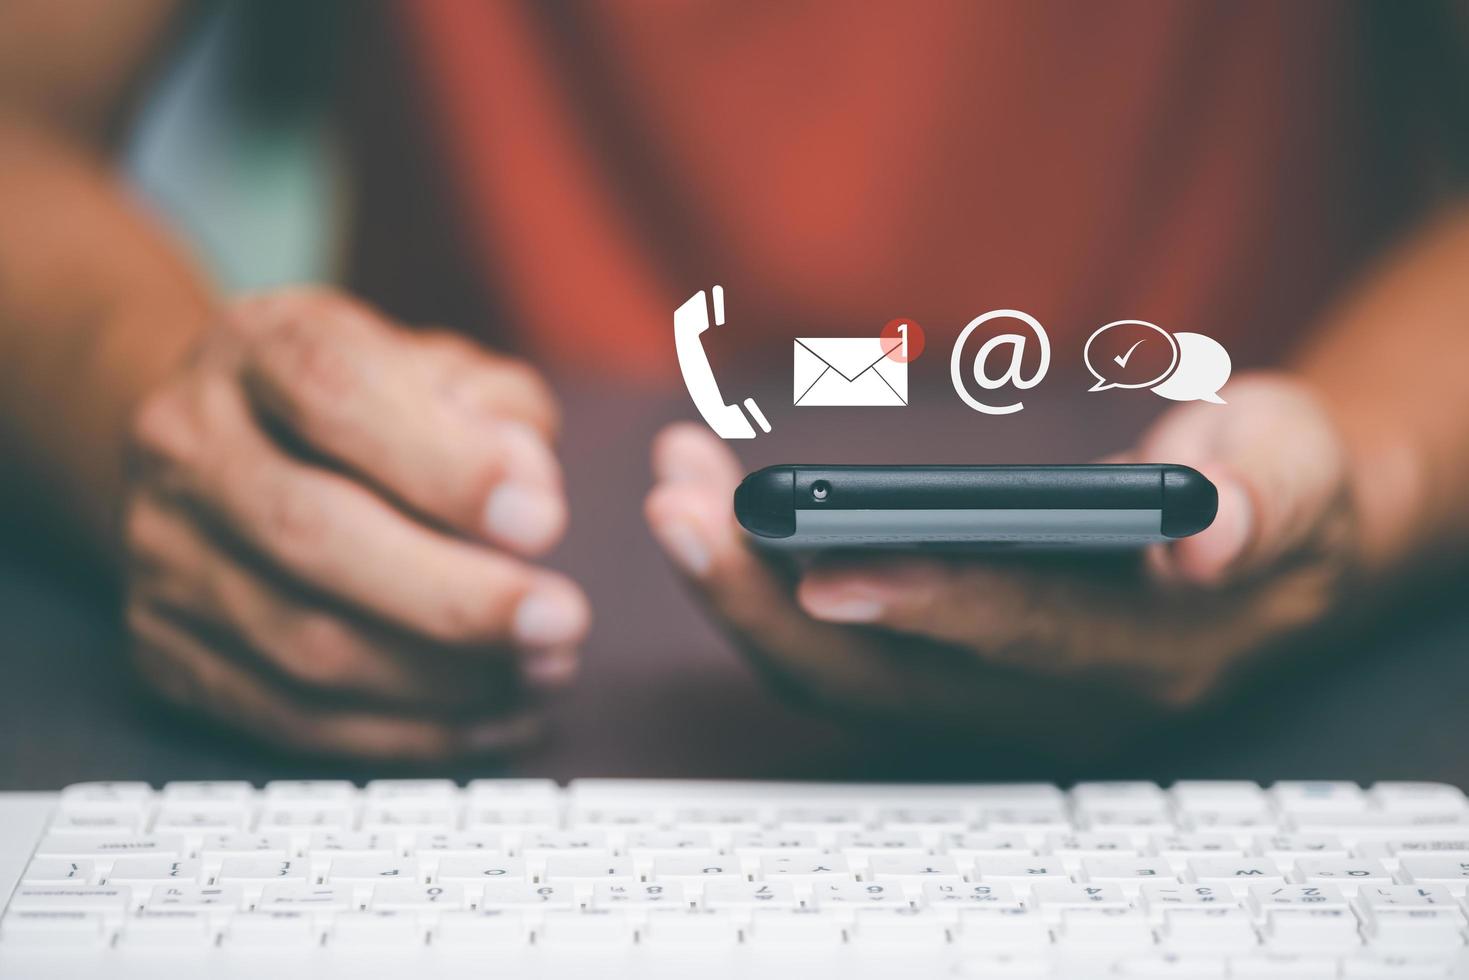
column 1085, row 506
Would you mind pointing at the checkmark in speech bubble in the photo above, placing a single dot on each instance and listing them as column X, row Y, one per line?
column 1148, row 355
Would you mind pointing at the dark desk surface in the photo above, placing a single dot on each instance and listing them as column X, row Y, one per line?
column 662, row 695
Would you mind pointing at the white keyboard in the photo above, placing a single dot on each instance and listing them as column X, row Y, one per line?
column 614, row 878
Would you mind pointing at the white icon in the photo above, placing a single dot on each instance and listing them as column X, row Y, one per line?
column 1013, row 372
column 849, row 371
column 689, row 321
column 1198, row 366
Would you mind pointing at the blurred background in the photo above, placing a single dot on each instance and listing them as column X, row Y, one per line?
column 307, row 142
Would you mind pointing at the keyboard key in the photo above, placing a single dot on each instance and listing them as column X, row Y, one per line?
column 912, row 871
column 967, row 848
column 695, row 871
column 169, row 928
column 80, row 796
column 407, row 896
column 1348, row 874
column 1172, row 964
column 1002, row 928
column 120, row 823
column 272, row 929
column 639, row 896
column 1386, row 966
column 590, row 927
column 482, row 868
column 458, row 843
column 52, row 926
column 1332, row 929
column 213, row 820
column 370, row 871
column 196, row 898
column 542, row 844
column 1278, row 965
column 411, row 792
column 968, row 895
column 666, row 843
column 311, row 793
column 793, row 927
column 80, row 898
column 301, row 896
column 1318, row 797
column 1266, row 898
column 249, row 869
column 690, row 928
column 1235, row 874
column 199, row 794
column 1176, row 849
column 1408, row 917
column 901, row 928
column 514, row 793
column 725, row 894
column 1451, row 873
column 1218, row 795
column 1119, row 796
column 818, row 869
column 1072, row 848
column 1017, row 964
column 523, row 895
column 583, row 871
column 1404, row 797
column 860, row 893
column 1286, row 849
column 137, row 870
column 1159, row 898
column 376, row 929
column 78, row 847
column 1051, row 897
column 1222, row 928
column 58, row 871
column 1129, row 874
column 218, row 847
column 329, row 845
column 496, row 928
column 399, row 817
column 923, row 820
column 1019, row 872
column 1104, row 926
column 306, row 818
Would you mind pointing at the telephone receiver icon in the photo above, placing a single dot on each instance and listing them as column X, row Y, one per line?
column 689, row 322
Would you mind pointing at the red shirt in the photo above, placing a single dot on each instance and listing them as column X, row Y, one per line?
column 1203, row 165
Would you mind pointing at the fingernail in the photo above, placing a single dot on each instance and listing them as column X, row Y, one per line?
column 842, row 605
column 550, row 668
column 550, row 616
column 525, row 517
column 685, row 545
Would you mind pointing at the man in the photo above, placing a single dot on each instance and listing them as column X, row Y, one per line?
column 328, row 523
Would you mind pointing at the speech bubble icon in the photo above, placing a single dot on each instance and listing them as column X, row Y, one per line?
column 1129, row 354
column 1203, row 368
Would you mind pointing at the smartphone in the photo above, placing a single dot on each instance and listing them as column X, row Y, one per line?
column 1098, row 505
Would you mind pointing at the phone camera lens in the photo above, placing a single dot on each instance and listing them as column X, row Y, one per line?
column 820, row 490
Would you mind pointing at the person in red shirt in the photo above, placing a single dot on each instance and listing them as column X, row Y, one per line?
column 309, row 502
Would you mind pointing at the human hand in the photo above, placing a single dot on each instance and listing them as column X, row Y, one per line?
column 326, row 527
column 1041, row 647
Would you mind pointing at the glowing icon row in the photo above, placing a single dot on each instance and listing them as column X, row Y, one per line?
column 873, row 371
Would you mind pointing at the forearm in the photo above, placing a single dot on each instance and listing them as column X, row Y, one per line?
column 1392, row 362
column 95, row 306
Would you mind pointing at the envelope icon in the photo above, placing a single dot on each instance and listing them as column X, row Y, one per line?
column 849, row 371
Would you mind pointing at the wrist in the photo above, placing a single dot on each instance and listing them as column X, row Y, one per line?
column 1386, row 477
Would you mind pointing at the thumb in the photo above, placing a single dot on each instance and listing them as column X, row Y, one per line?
column 1277, row 462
